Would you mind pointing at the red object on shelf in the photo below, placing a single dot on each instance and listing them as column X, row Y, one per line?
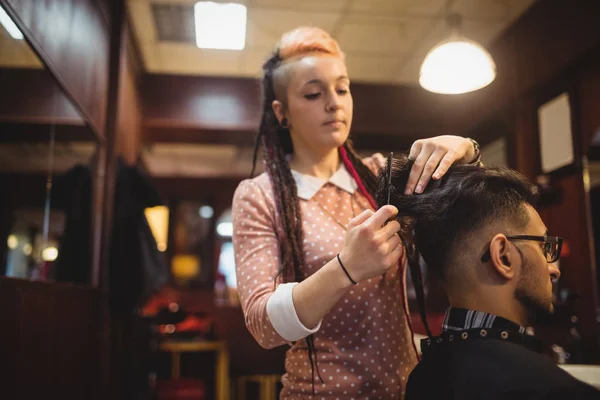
column 181, row 389
column 190, row 324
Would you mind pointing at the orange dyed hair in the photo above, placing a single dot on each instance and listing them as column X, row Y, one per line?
column 307, row 39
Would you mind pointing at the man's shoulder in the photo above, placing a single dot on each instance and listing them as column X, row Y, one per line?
column 511, row 360
column 493, row 367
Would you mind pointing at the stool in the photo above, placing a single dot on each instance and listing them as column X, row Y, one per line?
column 267, row 385
column 181, row 389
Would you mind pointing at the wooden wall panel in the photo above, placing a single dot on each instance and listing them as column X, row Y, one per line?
column 72, row 38
column 569, row 216
column 50, row 340
column 31, row 102
column 129, row 112
column 227, row 111
column 35, row 132
column 589, row 100
column 32, row 95
column 570, row 219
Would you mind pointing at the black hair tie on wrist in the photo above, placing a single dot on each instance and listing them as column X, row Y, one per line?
column 346, row 271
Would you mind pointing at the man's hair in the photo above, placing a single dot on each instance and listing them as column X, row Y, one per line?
column 452, row 209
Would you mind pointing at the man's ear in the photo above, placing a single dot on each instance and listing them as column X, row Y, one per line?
column 502, row 256
column 278, row 110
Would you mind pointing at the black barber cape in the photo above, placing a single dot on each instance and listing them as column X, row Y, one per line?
column 493, row 359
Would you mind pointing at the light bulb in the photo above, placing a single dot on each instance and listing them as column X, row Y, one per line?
column 457, row 66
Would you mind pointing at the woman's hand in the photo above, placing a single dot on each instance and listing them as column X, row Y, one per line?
column 432, row 158
column 376, row 162
column 371, row 246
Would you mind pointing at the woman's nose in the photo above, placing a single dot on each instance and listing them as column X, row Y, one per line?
column 333, row 101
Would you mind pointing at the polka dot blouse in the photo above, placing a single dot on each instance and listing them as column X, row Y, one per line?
column 363, row 345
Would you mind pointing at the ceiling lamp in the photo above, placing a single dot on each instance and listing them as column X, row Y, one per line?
column 9, row 25
column 220, row 25
column 457, row 64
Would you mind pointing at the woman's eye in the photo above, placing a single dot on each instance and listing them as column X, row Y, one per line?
column 343, row 91
column 312, row 96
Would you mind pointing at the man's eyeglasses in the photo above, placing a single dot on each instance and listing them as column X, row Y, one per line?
column 551, row 248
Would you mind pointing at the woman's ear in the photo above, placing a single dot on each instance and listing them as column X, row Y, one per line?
column 502, row 256
column 278, row 110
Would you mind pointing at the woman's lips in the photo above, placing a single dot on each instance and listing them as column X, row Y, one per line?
column 335, row 123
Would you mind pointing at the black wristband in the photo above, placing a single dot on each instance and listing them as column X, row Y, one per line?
column 346, row 271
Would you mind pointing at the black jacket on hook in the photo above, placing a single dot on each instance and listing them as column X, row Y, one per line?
column 72, row 193
column 137, row 268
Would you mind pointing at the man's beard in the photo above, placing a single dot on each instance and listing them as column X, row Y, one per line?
column 539, row 311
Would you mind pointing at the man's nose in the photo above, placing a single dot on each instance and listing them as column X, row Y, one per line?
column 554, row 271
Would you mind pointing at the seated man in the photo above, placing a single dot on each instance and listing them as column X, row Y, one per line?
column 478, row 228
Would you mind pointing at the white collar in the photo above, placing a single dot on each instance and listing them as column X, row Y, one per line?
column 308, row 185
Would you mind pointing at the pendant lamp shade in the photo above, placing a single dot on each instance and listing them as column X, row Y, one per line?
column 457, row 65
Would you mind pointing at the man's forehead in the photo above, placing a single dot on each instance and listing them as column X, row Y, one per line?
column 535, row 221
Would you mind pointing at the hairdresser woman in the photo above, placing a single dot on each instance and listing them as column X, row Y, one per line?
column 317, row 267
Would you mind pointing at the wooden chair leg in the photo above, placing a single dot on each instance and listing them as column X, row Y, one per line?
column 241, row 389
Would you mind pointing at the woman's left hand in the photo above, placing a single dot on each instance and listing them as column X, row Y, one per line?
column 434, row 156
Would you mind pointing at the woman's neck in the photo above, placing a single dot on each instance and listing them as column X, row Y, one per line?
column 318, row 165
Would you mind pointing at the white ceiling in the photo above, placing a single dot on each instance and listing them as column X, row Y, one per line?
column 385, row 41
column 16, row 53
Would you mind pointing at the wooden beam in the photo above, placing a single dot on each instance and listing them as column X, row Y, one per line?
column 33, row 96
column 191, row 109
column 26, row 132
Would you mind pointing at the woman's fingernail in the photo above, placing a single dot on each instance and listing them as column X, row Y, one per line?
column 407, row 191
column 419, row 189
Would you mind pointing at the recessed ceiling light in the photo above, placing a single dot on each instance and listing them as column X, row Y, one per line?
column 9, row 25
column 220, row 25
column 206, row 212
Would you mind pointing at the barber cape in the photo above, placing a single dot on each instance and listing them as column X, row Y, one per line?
column 482, row 356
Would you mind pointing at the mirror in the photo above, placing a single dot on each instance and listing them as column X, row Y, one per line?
column 46, row 151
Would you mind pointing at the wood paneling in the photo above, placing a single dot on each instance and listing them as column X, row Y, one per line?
column 32, row 95
column 129, row 111
column 31, row 102
column 32, row 133
column 50, row 341
column 570, row 219
column 589, row 100
column 569, row 215
column 72, row 39
column 223, row 103
column 227, row 111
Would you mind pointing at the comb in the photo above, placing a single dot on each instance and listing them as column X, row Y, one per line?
column 389, row 171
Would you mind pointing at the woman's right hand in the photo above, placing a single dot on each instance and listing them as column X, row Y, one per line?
column 371, row 246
